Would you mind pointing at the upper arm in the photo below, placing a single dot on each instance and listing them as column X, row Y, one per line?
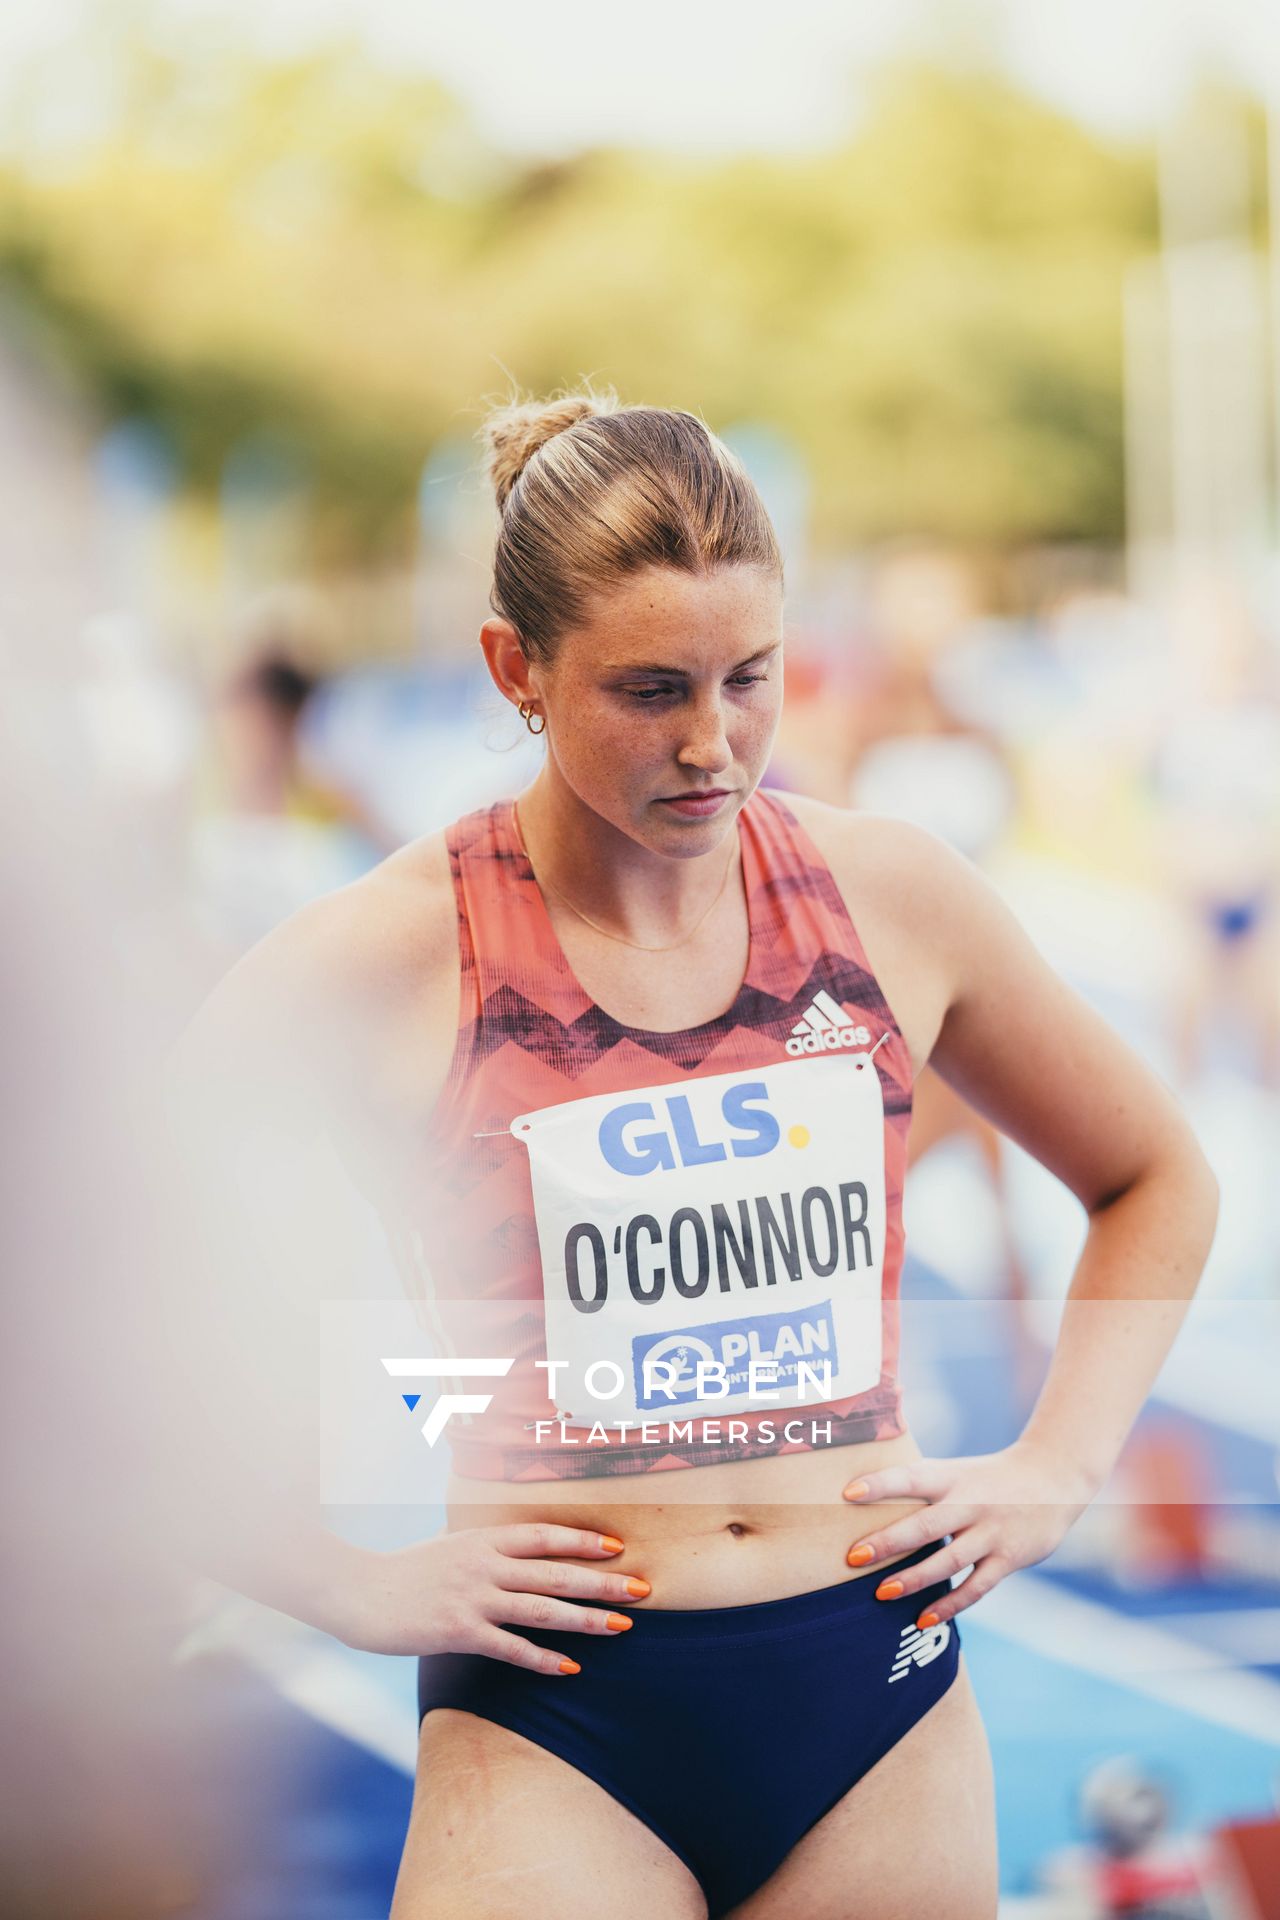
column 1025, row 1049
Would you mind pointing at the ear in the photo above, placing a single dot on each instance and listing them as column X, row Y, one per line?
column 508, row 668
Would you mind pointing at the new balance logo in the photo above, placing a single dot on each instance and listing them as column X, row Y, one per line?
column 434, row 1424
column 825, row 1027
column 917, row 1646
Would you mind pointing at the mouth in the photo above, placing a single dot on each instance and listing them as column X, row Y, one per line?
column 705, row 801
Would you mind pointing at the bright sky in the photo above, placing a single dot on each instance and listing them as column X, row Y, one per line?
column 546, row 76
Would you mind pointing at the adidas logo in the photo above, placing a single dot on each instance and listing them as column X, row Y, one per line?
column 917, row 1646
column 825, row 1027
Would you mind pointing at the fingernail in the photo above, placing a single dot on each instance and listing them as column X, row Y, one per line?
column 638, row 1588
column 888, row 1590
column 927, row 1619
column 609, row 1543
column 618, row 1622
column 855, row 1490
column 858, row 1556
column 570, row 1666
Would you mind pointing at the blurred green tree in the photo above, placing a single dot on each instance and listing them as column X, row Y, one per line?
column 324, row 249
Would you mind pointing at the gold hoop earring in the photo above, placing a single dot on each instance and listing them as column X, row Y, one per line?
column 526, row 714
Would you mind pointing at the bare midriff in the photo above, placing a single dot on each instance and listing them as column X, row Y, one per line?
column 722, row 1535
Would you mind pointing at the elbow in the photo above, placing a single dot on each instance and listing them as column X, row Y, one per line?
column 1185, row 1184
column 1212, row 1198
column 1198, row 1180
column 1199, row 1196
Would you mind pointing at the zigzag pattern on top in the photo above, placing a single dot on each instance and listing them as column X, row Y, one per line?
column 571, row 1048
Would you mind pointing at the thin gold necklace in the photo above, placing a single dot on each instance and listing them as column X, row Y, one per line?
column 684, row 939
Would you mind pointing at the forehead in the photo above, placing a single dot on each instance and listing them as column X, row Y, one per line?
column 665, row 617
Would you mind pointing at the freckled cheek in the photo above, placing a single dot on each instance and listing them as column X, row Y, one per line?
column 613, row 749
column 753, row 737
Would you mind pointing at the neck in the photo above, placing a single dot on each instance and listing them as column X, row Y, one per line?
column 637, row 893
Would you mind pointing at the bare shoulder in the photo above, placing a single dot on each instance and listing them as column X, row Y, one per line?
column 875, row 853
column 902, row 886
column 344, row 987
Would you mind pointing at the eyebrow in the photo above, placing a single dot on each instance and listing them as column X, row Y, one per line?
column 682, row 673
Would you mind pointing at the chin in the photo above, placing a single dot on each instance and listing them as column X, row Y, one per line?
column 692, row 837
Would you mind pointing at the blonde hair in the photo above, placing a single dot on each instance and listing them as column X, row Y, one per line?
column 590, row 491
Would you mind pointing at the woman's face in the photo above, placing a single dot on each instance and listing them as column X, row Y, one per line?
column 672, row 690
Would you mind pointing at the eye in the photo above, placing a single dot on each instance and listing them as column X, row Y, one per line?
column 648, row 695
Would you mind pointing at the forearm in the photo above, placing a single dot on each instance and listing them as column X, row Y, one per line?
column 1140, row 1265
column 306, row 1572
column 283, row 1557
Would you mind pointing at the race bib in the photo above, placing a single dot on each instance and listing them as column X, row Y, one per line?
column 714, row 1245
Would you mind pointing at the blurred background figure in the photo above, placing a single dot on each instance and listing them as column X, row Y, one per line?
column 911, row 752
column 269, row 831
column 1131, row 1863
column 1217, row 777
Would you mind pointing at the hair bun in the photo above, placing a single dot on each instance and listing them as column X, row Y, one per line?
column 514, row 433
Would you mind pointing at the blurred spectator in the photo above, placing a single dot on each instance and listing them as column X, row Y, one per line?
column 269, row 832
column 1217, row 777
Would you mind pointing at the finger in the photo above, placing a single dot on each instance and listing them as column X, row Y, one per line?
column 949, row 1559
column 912, row 1531
column 524, row 1538
column 988, row 1572
column 918, row 1479
column 560, row 1616
column 570, row 1581
column 497, row 1645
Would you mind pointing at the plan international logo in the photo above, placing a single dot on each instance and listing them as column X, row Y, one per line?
column 740, row 1355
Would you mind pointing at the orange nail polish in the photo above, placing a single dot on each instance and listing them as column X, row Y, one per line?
column 609, row 1543
column 618, row 1622
column 570, row 1666
column 888, row 1590
column 638, row 1588
column 859, row 1556
column 927, row 1619
column 855, row 1490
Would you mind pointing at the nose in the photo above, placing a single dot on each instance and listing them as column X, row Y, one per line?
column 706, row 745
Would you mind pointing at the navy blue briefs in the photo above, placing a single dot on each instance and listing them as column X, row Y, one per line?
column 729, row 1731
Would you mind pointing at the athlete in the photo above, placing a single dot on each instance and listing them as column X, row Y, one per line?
column 633, row 1053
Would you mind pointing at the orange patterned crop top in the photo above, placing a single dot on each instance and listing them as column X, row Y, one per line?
column 672, row 1249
